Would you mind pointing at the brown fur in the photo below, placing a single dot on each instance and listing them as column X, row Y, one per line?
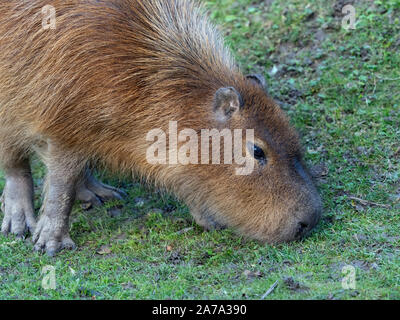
column 112, row 71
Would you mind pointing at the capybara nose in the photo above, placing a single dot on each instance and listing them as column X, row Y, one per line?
column 302, row 229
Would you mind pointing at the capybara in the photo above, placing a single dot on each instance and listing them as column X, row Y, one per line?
column 87, row 91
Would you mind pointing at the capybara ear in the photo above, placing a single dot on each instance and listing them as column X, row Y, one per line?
column 227, row 102
column 257, row 79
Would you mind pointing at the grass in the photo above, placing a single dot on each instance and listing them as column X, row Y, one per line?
column 341, row 90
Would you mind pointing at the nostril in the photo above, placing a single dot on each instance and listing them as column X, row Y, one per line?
column 301, row 229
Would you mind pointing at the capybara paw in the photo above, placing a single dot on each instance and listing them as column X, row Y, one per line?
column 96, row 193
column 18, row 216
column 48, row 238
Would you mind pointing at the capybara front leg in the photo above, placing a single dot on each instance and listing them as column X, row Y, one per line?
column 52, row 231
column 17, row 200
column 93, row 192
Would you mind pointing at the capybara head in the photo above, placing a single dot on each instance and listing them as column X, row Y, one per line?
column 277, row 200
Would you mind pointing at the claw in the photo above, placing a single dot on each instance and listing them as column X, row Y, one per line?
column 21, row 236
column 51, row 253
column 38, row 248
column 68, row 244
column 93, row 192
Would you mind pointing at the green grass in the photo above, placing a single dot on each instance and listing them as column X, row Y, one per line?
column 341, row 90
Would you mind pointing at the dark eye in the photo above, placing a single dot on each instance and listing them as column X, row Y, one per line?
column 258, row 153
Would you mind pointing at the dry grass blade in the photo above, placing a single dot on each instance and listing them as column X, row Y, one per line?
column 370, row 203
column 270, row 290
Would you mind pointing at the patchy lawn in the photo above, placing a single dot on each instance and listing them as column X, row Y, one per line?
column 341, row 90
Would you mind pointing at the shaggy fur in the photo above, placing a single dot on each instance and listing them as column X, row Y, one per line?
column 113, row 70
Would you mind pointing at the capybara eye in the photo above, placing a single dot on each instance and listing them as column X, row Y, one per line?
column 258, row 153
